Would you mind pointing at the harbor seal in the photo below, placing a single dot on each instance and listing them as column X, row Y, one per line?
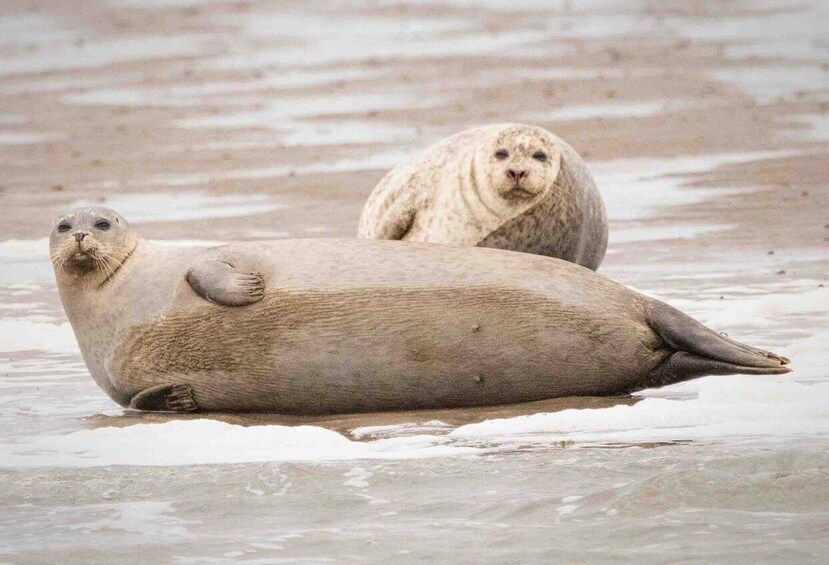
column 506, row 186
column 335, row 326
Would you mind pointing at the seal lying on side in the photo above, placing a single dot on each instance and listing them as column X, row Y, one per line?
column 333, row 326
column 507, row 186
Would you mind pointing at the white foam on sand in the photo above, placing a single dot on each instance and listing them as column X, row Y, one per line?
column 197, row 442
column 24, row 334
column 726, row 407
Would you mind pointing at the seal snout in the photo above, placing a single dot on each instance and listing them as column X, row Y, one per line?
column 516, row 175
column 79, row 236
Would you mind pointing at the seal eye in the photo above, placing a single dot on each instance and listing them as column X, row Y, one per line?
column 102, row 225
column 501, row 154
column 62, row 228
column 540, row 156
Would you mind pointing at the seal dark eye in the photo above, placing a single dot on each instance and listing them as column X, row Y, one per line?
column 501, row 154
column 64, row 228
column 540, row 156
column 102, row 225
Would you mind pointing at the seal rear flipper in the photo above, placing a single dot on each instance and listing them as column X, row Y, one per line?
column 700, row 351
column 220, row 281
column 165, row 398
column 682, row 366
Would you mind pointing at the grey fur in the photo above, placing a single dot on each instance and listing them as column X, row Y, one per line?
column 356, row 326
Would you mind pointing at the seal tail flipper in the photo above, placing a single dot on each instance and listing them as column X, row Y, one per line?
column 700, row 351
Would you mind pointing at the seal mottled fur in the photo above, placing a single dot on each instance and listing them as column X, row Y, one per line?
column 334, row 326
column 506, row 186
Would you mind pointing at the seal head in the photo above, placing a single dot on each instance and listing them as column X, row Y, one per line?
column 89, row 245
column 508, row 186
column 520, row 164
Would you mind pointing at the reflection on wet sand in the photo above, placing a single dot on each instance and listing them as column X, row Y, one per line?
column 346, row 423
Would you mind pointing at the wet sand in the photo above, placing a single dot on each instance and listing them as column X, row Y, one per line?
column 346, row 423
column 705, row 124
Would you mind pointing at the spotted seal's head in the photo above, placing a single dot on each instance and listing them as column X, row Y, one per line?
column 521, row 163
column 90, row 244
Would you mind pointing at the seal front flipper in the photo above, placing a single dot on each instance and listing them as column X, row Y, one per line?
column 220, row 281
column 388, row 216
column 165, row 398
column 400, row 226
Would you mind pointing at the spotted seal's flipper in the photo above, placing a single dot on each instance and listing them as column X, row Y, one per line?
column 395, row 224
column 395, row 217
column 165, row 398
column 699, row 351
column 220, row 281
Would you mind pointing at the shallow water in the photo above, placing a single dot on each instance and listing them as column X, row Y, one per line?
column 720, row 469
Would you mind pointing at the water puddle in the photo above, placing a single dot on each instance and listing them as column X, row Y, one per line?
column 12, row 119
column 10, row 138
column 318, row 39
column 93, row 54
column 385, row 160
column 815, row 128
column 216, row 93
column 770, row 83
column 181, row 206
column 615, row 110
column 635, row 189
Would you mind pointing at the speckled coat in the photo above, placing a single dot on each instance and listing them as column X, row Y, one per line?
column 441, row 196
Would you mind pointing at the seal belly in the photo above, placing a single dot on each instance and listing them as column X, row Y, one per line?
column 380, row 349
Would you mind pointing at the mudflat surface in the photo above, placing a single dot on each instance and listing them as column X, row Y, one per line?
column 706, row 126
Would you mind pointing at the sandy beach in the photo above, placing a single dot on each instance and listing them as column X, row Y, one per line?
column 706, row 126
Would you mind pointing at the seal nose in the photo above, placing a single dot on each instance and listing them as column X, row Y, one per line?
column 80, row 235
column 516, row 175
